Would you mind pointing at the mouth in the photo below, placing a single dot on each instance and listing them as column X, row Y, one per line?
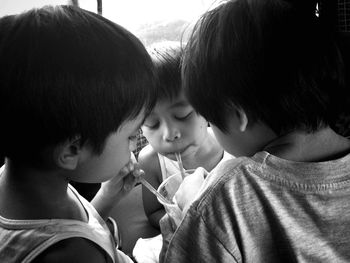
column 171, row 154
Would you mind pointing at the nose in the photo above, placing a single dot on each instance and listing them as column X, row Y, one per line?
column 171, row 133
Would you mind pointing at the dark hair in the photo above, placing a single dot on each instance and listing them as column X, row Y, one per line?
column 65, row 73
column 270, row 59
column 166, row 57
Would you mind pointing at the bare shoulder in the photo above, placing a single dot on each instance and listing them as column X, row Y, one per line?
column 148, row 160
column 73, row 250
column 147, row 153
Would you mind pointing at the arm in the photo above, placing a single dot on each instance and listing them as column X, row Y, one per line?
column 72, row 250
column 148, row 161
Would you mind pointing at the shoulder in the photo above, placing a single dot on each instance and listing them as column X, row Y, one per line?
column 201, row 234
column 225, row 181
column 148, row 160
column 73, row 250
column 147, row 153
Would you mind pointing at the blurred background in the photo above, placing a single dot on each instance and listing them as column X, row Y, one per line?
column 150, row 20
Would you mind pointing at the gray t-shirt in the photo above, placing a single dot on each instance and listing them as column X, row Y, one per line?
column 267, row 209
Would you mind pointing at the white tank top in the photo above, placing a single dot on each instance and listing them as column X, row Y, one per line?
column 23, row 240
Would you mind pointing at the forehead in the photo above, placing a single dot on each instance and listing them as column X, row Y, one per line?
column 167, row 104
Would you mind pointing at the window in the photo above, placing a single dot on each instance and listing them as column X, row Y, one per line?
column 150, row 20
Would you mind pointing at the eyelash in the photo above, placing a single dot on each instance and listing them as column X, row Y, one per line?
column 185, row 117
column 177, row 118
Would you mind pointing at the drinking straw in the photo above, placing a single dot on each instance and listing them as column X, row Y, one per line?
column 179, row 162
column 154, row 191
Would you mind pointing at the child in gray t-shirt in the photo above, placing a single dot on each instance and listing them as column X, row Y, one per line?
column 269, row 79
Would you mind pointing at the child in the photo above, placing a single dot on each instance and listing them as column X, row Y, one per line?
column 267, row 79
column 75, row 89
column 173, row 126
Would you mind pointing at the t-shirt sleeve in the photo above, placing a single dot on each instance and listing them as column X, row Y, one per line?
column 195, row 241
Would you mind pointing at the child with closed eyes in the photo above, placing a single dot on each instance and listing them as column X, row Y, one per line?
column 173, row 127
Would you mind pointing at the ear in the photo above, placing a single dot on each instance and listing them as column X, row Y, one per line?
column 243, row 119
column 67, row 154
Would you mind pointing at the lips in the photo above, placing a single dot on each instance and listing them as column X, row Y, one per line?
column 172, row 153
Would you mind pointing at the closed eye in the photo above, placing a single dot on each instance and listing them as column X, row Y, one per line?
column 182, row 118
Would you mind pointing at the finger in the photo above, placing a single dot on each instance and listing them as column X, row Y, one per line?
column 129, row 182
column 133, row 158
column 128, row 168
column 124, row 171
column 131, row 165
column 138, row 173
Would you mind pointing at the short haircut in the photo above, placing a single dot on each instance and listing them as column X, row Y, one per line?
column 268, row 58
column 166, row 57
column 64, row 73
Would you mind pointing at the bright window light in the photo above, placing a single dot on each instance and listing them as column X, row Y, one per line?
column 150, row 20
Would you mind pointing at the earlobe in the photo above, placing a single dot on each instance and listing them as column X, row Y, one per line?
column 67, row 154
column 243, row 120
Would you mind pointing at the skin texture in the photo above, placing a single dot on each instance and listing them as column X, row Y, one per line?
column 242, row 139
column 38, row 194
column 174, row 126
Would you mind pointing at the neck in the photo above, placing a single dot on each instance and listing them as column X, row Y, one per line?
column 322, row 145
column 34, row 194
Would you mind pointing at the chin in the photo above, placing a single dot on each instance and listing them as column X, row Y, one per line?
column 191, row 149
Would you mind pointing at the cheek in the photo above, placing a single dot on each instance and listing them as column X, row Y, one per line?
column 121, row 158
column 197, row 128
column 220, row 136
column 119, row 153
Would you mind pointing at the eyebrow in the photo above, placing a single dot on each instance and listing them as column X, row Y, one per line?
column 180, row 103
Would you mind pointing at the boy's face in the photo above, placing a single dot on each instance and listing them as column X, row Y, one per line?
column 115, row 155
column 174, row 126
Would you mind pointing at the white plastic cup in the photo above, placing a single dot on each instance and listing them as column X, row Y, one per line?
column 167, row 189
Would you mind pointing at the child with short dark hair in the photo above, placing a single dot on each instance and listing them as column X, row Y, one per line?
column 268, row 79
column 75, row 88
column 173, row 127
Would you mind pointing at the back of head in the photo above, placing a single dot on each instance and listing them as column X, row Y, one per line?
column 166, row 57
column 65, row 73
column 270, row 58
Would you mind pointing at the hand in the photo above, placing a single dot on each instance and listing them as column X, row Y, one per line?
column 189, row 188
column 112, row 191
column 121, row 184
